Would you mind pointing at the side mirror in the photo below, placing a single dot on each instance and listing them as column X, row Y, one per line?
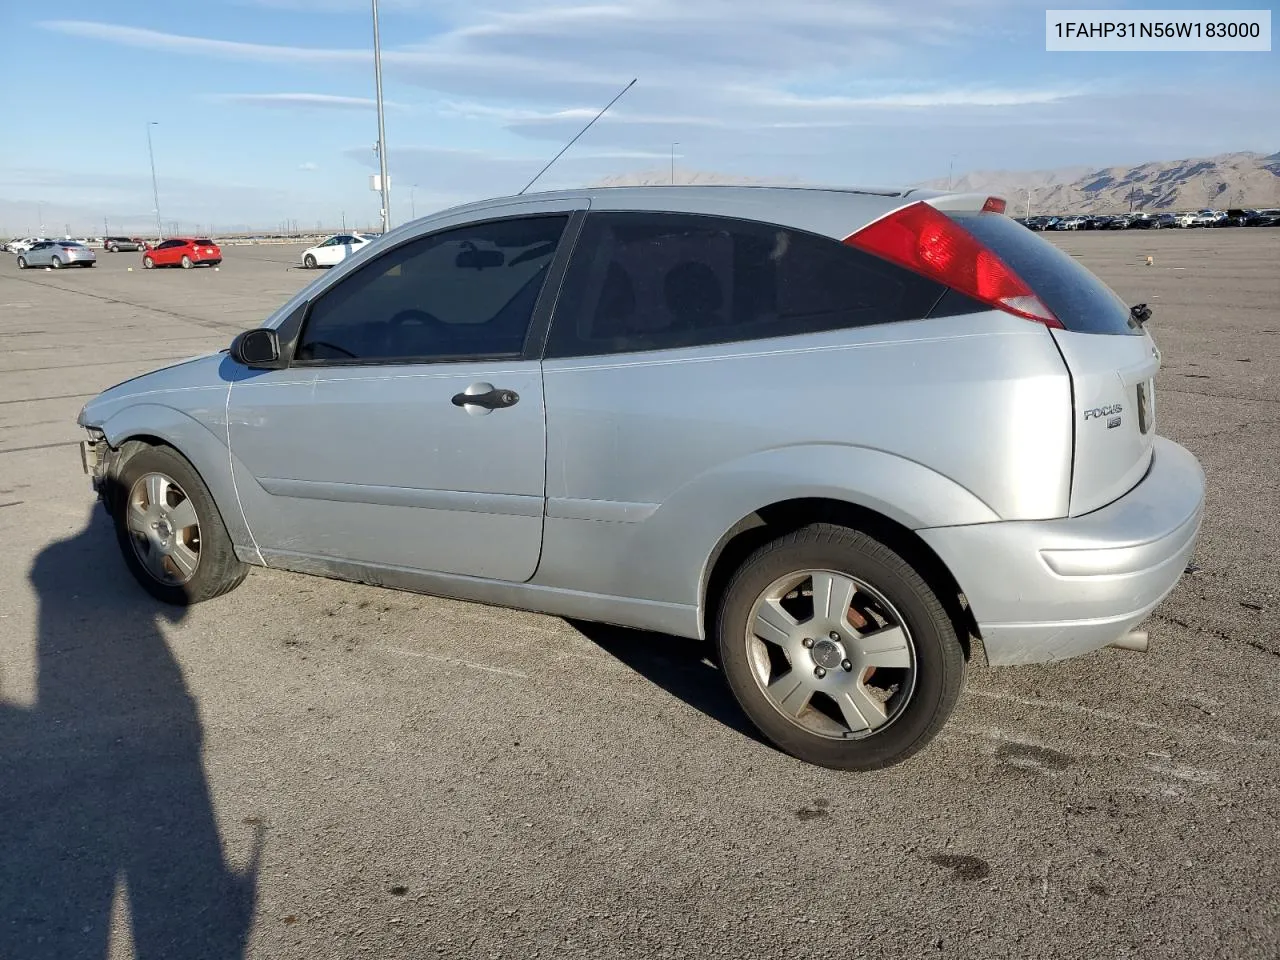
column 258, row 348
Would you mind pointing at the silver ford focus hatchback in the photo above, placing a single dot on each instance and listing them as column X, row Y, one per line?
column 838, row 433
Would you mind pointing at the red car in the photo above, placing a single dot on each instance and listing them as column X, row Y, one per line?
column 181, row 251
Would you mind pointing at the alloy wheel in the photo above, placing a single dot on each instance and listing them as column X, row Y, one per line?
column 831, row 654
column 164, row 528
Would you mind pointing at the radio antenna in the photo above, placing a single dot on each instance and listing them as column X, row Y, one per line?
column 580, row 133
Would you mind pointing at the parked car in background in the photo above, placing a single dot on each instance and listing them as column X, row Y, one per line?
column 1264, row 218
column 22, row 244
column 1204, row 218
column 182, row 252
column 334, row 250
column 958, row 438
column 127, row 244
column 57, row 254
column 1163, row 221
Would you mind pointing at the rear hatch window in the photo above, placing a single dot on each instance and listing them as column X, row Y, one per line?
column 204, row 243
column 1080, row 300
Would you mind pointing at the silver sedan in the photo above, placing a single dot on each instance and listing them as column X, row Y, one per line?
column 57, row 254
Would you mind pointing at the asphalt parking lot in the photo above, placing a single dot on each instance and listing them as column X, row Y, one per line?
column 313, row 769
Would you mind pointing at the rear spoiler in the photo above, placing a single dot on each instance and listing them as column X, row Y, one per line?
column 965, row 202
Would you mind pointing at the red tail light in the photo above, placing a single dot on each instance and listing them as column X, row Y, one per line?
column 929, row 242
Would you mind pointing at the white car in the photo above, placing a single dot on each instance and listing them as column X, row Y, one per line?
column 23, row 245
column 334, row 250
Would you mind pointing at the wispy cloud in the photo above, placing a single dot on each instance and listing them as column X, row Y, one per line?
column 323, row 101
column 224, row 49
column 309, row 166
column 931, row 99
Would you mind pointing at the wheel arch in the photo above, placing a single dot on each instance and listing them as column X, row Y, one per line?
column 156, row 425
column 781, row 517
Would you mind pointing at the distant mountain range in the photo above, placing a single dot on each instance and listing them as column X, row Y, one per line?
column 1244, row 179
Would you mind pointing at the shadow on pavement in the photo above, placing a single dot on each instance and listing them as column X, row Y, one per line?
column 102, row 784
column 677, row 665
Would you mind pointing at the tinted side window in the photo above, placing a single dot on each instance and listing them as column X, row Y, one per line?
column 655, row 281
column 468, row 292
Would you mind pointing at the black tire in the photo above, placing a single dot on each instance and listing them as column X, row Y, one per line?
column 218, row 570
column 186, row 262
column 309, row 262
column 22, row 263
column 938, row 657
column 148, row 263
column 56, row 263
column 114, row 248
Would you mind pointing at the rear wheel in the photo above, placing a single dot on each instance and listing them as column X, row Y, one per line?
column 186, row 262
column 838, row 650
column 56, row 264
column 309, row 262
column 170, row 531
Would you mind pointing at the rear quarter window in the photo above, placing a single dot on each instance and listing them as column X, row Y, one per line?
column 659, row 281
column 1079, row 299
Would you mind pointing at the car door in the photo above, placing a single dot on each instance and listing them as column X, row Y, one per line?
column 369, row 447
column 328, row 253
column 163, row 254
column 38, row 255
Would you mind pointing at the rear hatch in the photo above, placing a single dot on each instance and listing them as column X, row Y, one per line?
column 1111, row 358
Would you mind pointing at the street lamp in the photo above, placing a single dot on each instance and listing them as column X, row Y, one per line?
column 155, row 191
column 674, row 144
column 951, row 167
column 382, row 130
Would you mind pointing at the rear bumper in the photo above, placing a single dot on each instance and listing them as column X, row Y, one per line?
column 1053, row 589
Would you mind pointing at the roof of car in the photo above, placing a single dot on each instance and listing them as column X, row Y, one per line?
column 834, row 210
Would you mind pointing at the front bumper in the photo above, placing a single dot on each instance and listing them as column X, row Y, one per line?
column 1053, row 589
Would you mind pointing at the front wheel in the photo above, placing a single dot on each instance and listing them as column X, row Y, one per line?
column 309, row 262
column 148, row 263
column 186, row 262
column 170, row 531
column 22, row 263
column 113, row 248
column 838, row 650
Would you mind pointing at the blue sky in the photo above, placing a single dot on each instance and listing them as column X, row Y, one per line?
column 264, row 108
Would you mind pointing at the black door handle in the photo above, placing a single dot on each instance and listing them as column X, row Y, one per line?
column 494, row 399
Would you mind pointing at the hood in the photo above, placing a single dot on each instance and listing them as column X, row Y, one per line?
column 203, row 371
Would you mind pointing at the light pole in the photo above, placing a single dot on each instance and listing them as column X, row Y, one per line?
column 40, row 215
column 950, row 168
column 155, row 191
column 413, row 207
column 382, row 130
column 674, row 144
